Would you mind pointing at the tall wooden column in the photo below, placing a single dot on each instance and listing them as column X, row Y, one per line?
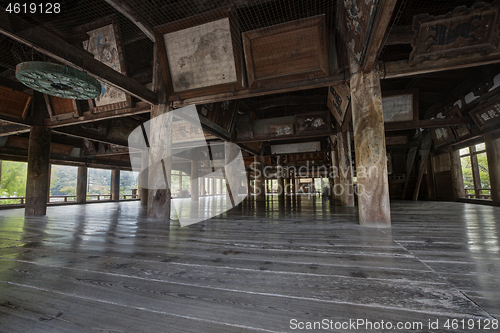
column 281, row 179
column 194, row 183
column 81, row 184
column 37, row 184
column 369, row 141
column 456, row 174
column 143, row 179
column 115, row 185
column 493, row 153
column 335, row 179
column 476, row 177
column 260, row 187
column 293, row 181
column 233, row 176
column 345, row 169
column 160, row 150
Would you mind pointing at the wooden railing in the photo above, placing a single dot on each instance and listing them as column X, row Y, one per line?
column 473, row 194
column 71, row 198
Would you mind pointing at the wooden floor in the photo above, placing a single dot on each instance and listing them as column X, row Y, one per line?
column 106, row 268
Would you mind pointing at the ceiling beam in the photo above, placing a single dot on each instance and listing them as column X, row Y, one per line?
column 384, row 15
column 338, row 78
column 400, row 35
column 77, row 132
column 88, row 116
column 428, row 123
column 397, row 69
column 131, row 14
column 54, row 47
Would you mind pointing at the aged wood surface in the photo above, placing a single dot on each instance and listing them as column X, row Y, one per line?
column 369, row 142
column 81, row 184
column 259, row 182
column 115, row 184
column 37, row 179
column 115, row 270
column 160, row 150
column 456, row 173
column 492, row 143
column 345, row 189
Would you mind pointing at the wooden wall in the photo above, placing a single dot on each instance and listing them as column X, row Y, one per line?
column 441, row 167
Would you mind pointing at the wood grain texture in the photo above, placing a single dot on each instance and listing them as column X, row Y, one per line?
column 369, row 141
column 456, row 173
column 345, row 189
column 492, row 143
column 107, row 267
column 81, row 184
column 160, row 149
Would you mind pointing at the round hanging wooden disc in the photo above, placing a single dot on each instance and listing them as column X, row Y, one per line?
column 58, row 80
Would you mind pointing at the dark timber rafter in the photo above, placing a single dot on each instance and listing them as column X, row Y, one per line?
column 385, row 11
column 131, row 14
column 54, row 47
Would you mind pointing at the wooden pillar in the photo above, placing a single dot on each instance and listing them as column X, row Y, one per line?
column 249, row 188
column 160, row 152
column 259, row 179
column 293, row 182
column 81, row 184
column 233, row 176
column 281, row 179
column 194, row 184
column 456, row 174
column 369, row 141
column 492, row 144
column 345, row 169
column 335, row 177
column 37, row 183
column 48, row 187
column 115, row 185
column 143, row 179
column 475, row 172
column 212, row 186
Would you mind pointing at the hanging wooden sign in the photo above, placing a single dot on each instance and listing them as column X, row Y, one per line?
column 61, row 108
column 355, row 19
column 201, row 55
column 443, row 135
column 400, row 106
column 315, row 121
column 462, row 32
column 461, row 131
column 339, row 97
column 104, row 43
column 13, row 103
column 486, row 115
column 288, row 52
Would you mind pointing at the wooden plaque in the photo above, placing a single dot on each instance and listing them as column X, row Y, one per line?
column 104, row 43
column 443, row 135
column 61, row 108
column 13, row 103
column 355, row 19
column 339, row 97
column 201, row 55
column 461, row 131
column 288, row 52
column 281, row 130
column 462, row 32
column 317, row 121
column 486, row 115
column 400, row 106
column 396, row 140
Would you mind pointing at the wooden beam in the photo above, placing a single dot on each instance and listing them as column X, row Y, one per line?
column 89, row 117
column 397, row 69
column 54, row 47
column 131, row 14
column 400, row 35
column 384, row 15
column 11, row 129
column 428, row 123
column 82, row 133
column 337, row 78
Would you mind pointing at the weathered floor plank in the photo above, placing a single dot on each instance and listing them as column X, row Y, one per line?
column 106, row 267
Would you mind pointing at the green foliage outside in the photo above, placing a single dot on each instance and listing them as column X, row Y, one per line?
column 484, row 175
column 13, row 182
column 62, row 181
